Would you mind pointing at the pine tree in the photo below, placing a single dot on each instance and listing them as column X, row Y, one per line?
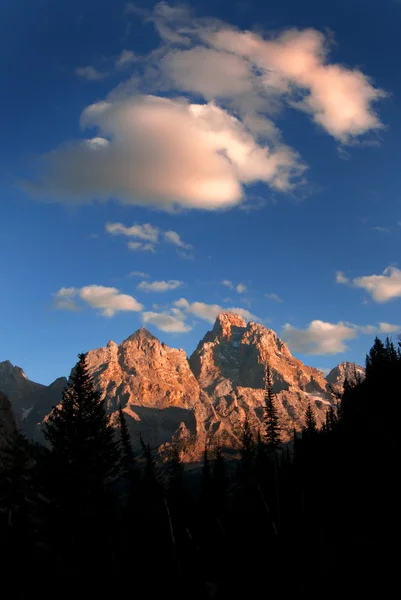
column 310, row 427
column 83, row 462
column 247, row 449
column 128, row 462
column 272, row 426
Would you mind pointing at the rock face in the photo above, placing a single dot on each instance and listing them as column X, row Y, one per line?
column 152, row 382
column 201, row 400
column 230, row 365
column 31, row 401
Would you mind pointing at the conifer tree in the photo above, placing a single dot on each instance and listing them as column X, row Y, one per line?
column 128, row 462
column 310, row 427
column 247, row 449
column 84, row 456
column 272, row 426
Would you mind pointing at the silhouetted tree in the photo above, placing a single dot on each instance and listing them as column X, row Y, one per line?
column 310, row 427
column 272, row 431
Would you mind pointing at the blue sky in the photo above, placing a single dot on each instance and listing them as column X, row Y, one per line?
column 151, row 152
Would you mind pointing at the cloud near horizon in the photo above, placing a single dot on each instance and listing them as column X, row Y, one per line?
column 172, row 153
column 321, row 337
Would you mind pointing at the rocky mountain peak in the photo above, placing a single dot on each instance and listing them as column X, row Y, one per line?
column 343, row 371
column 228, row 323
column 141, row 336
column 8, row 370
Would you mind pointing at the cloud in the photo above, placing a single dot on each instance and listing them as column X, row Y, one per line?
column 166, row 153
column 64, row 299
column 159, row 286
column 319, row 337
column 273, row 296
column 154, row 147
column 240, row 287
column 174, row 238
column 209, row 312
column 139, row 246
column 149, row 233
column 341, row 278
column 108, row 299
column 139, row 274
column 91, row 74
column 381, row 229
column 228, row 284
column 126, row 58
column 264, row 72
column 170, row 322
column 383, row 287
column 144, row 232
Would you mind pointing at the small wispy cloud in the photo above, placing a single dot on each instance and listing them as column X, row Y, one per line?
column 240, row 287
column 172, row 321
column 91, row 74
column 159, row 286
column 273, row 296
column 139, row 274
column 126, row 58
column 341, row 278
column 381, row 229
column 150, row 234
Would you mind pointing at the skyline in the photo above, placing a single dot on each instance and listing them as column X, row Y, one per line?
column 166, row 162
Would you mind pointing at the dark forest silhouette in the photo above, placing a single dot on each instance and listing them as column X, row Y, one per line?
column 320, row 515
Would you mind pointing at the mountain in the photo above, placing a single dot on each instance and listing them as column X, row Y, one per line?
column 152, row 382
column 203, row 399
column 230, row 364
column 345, row 370
column 30, row 401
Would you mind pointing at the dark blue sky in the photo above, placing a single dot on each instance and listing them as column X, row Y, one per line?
column 279, row 212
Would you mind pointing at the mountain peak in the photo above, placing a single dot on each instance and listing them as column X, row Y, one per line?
column 224, row 323
column 141, row 335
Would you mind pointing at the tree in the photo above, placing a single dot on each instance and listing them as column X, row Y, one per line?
column 128, row 462
column 83, row 461
column 247, row 449
column 272, row 426
column 310, row 427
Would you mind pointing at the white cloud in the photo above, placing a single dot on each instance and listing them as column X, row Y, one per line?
column 241, row 288
column 139, row 246
column 341, row 278
column 126, row 58
column 381, row 229
column 388, row 328
column 319, row 337
column 169, row 153
column 144, row 232
column 159, row 286
column 108, row 299
column 174, row 238
column 383, row 287
column 170, row 322
column 262, row 73
column 209, row 312
column 166, row 153
column 274, row 296
column 90, row 73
